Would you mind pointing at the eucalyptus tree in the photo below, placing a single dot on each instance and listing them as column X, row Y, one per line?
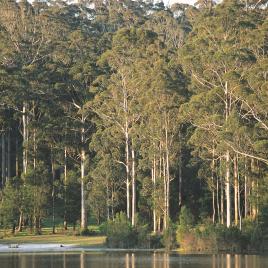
column 217, row 72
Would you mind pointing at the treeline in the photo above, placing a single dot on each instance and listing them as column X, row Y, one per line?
column 136, row 107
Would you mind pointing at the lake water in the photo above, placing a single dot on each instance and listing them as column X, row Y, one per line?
column 129, row 260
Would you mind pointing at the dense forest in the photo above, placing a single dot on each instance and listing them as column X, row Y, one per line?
column 131, row 106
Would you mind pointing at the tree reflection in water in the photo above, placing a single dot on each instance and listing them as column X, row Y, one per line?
column 130, row 260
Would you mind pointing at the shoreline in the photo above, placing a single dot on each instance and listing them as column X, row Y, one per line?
column 56, row 248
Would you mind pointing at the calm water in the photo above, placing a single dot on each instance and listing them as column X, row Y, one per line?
column 129, row 260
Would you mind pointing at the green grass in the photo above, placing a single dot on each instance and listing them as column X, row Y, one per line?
column 61, row 237
column 89, row 241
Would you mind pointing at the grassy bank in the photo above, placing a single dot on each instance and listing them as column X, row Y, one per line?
column 88, row 241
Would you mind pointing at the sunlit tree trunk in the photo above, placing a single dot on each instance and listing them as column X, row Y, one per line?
column 53, row 191
column 82, row 163
column 246, row 190
column 228, row 190
column 65, row 224
column 25, row 137
column 133, row 187
column 236, row 190
column 227, row 165
column 180, row 169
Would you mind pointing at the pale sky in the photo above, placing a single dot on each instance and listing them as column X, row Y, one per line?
column 170, row 2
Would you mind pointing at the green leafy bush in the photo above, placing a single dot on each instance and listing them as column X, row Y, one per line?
column 156, row 241
column 120, row 233
column 169, row 237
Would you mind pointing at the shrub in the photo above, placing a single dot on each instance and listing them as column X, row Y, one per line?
column 120, row 234
column 85, row 232
column 169, row 237
column 143, row 236
column 156, row 241
column 186, row 218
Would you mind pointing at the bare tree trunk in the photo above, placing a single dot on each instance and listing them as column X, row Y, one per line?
column 3, row 166
column 127, row 168
column 83, row 192
column 165, row 194
column 17, row 157
column 167, row 177
column 65, row 224
column 239, row 206
column 227, row 158
column 53, row 191
column 133, row 187
column 236, row 190
column 218, row 202
column 154, row 197
column 25, row 137
column 228, row 191
column 222, row 203
column 213, row 189
column 107, row 200
column 180, row 170
column 20, row 222
column 246, row 191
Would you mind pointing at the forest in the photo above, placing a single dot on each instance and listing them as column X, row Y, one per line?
column 136, row 115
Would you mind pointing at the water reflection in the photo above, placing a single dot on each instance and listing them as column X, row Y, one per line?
column 130, row 260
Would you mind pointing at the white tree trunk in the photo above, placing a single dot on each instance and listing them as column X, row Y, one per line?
column 228, row 191
column 133, row 187
column 180, row 170
column 65, row 224
column 25, row 137
column 127, row 170
column 236, row 185
column 83, row 190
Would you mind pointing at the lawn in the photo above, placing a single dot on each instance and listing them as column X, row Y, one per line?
column 89, row 241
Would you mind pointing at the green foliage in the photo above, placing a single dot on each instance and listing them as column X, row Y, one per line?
column 186, row 218
column 169, row 237
column 120, row 234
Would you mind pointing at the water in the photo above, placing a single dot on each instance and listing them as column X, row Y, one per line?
column 129, row 260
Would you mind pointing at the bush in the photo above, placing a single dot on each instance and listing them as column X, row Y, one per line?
column 120, row 233
column 85, row 232
column 143, row 236
column 169, row 237
column 156, row 241
column 186, row 218
column 103, row 228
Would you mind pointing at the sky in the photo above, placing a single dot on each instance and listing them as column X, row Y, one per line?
column 170, row 2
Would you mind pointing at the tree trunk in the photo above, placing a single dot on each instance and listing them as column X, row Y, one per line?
column 107, row 200
column 65, row 190
column 165, row 194
column 133, row 187
column 167, row 177
column 127, row 168
column 17, row 157
column 236, row 190
column 83, row 193
column 180, row 170
column 3, row 165
column 9, row 155
column 218, row 202
column 53, row 191
column 227, row 158
column 25, row 137
column 246, row 190
column 154, row 197
column 222, row 202
column 228, row 190
column 213, row 188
